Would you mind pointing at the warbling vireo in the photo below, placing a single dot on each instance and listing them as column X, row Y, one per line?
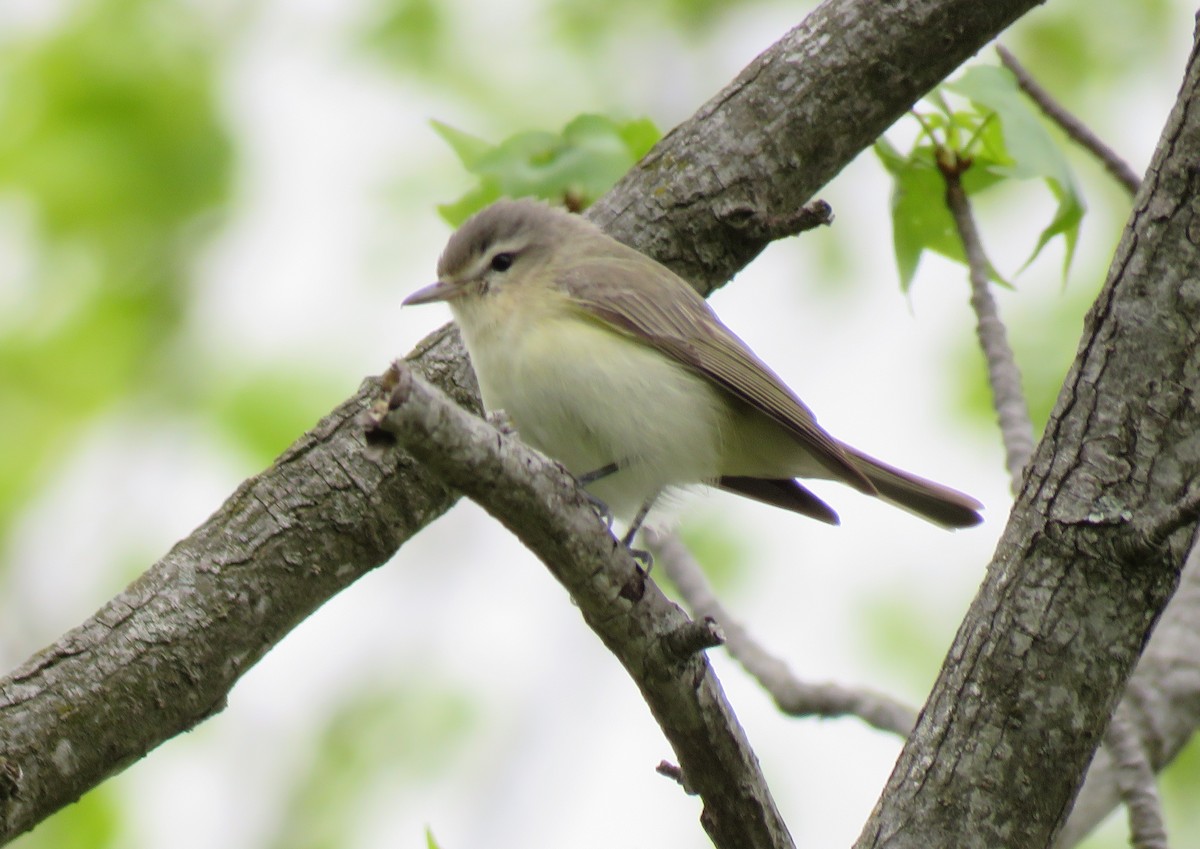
column 611, row 364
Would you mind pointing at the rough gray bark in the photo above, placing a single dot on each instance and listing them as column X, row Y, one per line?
column 1092, row 553
column 160, row 657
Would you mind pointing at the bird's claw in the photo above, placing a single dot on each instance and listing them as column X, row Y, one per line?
column 602, row 509
column 642, row 557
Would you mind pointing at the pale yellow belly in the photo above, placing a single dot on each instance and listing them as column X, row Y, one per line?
column 588, row 397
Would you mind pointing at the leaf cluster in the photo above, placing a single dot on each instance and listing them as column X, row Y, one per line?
column 996, row 135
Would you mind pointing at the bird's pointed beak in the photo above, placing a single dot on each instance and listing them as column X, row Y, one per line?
column 439, row 291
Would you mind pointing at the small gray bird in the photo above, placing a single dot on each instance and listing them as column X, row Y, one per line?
column 608, row 362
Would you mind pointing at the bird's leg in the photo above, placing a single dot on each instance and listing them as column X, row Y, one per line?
column 641, row 555
column 597, row 474
column 593, row 476
column 636, row 524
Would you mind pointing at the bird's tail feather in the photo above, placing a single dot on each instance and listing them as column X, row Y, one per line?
column 932, row 501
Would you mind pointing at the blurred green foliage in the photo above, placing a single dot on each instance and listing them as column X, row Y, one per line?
column 406, row 734
column 1075, row 51
column 725, row 555
column 419, row 35
column 110, row 127
column 264, row 409
column 906, row 642
column 409, row 34
column 110, row 144
column 1177, row 786
column 583, row 22
column 573, row 167
column 96, row 821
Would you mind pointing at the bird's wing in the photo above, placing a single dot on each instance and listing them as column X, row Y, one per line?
column 663, row 311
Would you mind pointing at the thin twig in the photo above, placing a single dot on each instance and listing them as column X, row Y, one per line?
column 1183, row 513
column 1138, row 783
column 1016, row 428
column 753, row 221
column 793, row 696
column 1072, row 126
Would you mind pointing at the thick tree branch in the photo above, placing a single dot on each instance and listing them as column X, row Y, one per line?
column 1041, row 659
column 1161, row 708
column 654, row 640
column 161, row 656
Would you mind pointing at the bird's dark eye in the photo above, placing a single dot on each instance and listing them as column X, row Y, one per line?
column 502, row 261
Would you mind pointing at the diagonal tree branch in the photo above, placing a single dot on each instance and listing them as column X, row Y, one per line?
column 1159, row 711
column 1074, row 589
column 161, row 656
column 542, row 504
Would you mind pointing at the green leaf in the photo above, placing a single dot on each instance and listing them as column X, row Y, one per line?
column 1005, row 139
column 467, row 147
column 639, row 136
column 430, row 840
column 1028, row 145
column 920, row 219
column 575, row 166
column 1066, row 221
column 456, row 212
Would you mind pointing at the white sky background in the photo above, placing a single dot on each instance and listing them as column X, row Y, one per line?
column 334, row 225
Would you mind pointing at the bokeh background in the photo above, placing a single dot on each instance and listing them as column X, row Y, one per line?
column 209, row 213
